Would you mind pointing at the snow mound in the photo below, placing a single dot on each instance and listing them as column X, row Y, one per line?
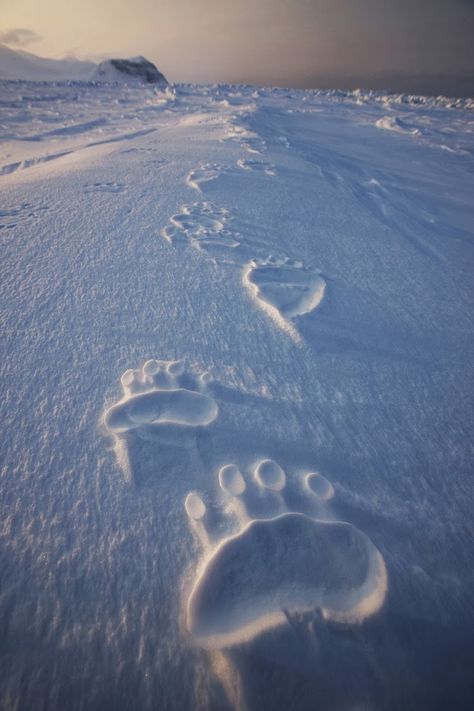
column 136, row 69
column 394, row 123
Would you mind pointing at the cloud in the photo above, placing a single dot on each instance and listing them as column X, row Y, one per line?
column 19, row 36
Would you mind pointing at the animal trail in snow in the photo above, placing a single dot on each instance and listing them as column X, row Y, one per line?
column 20, row 215
column 249, row 141
column 257, row 166
column 155, row 395
column 204, row 174
column 254, row 145
column 31, row 162
column 107, row 187
column 281, row 561
column 204, row 225
column 284, row 288
column 209, row 172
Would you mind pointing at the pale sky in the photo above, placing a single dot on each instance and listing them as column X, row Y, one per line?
column 285, row 42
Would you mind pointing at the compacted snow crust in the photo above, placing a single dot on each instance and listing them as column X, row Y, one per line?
column 236, row 392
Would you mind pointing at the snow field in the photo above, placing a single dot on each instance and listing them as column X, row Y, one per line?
column 287, row 290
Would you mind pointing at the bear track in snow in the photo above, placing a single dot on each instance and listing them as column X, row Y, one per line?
column 153, row 395
column 284, row 288
column 289, row 562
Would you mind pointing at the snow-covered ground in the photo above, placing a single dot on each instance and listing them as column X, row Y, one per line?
column 236, row 395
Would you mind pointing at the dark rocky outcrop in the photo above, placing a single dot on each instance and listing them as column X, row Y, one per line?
column 137, row 68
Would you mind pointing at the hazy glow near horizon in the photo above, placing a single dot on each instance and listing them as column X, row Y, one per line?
column 261, row 41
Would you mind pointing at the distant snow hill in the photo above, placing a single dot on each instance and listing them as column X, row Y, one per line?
column 29, row 67
column 136, row 68
column 16, row 64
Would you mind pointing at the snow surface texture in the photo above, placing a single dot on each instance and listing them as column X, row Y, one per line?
column 259, row 303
